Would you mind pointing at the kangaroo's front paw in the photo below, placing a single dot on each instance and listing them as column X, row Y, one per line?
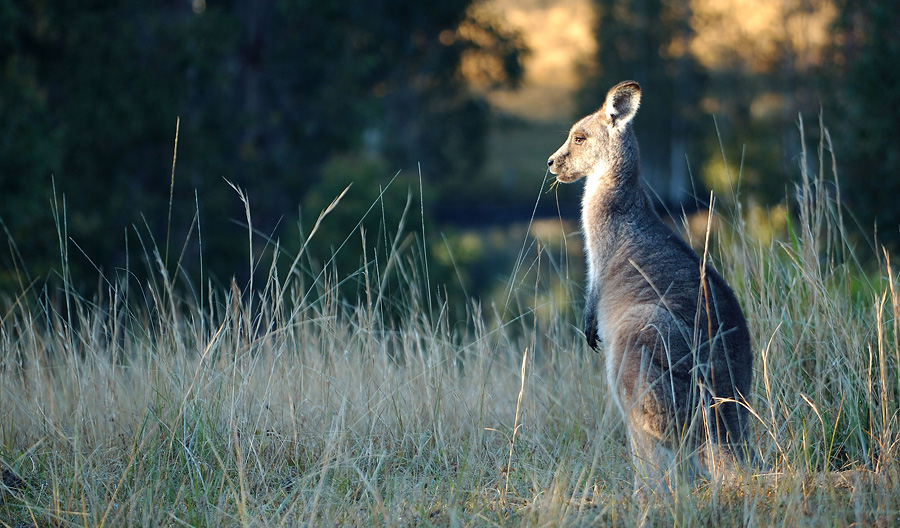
column 590, row 333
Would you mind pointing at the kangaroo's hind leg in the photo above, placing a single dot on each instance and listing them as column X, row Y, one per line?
column 647, row 398
column 653, row 464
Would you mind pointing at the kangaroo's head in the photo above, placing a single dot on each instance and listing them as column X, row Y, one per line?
column 601, row 140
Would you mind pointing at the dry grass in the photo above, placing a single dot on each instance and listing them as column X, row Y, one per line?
column 285, row 405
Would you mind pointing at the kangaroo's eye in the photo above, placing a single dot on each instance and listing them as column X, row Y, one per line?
column 579, row 140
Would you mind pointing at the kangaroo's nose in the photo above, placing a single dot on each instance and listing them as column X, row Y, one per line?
column 550, row 162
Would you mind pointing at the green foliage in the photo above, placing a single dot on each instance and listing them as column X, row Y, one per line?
column 354, row 240
column 369, row 217
column 267, row 94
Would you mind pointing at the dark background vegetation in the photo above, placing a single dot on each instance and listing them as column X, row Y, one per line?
column 291, row 101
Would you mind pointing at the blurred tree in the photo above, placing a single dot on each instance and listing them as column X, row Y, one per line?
column 749, row 65
column 268, row 93
column 27, row 148
column 105, row 82
column 647, row 41
column 863, row 82
column 760, row 60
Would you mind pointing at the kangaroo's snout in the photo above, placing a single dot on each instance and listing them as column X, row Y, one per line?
column 553, row 165
column 557, row 161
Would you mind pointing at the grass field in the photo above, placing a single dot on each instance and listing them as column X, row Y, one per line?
column 281, row 404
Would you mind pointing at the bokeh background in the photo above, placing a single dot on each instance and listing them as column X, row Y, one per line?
column 447, row 109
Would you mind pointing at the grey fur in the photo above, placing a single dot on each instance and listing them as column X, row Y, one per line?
column 678, row 354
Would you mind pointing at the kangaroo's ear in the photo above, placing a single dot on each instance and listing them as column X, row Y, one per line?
column 622, row 103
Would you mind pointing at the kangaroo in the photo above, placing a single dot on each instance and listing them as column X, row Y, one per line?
column 678, row 355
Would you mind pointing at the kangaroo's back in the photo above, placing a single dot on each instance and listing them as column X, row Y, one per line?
column 678, row 352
